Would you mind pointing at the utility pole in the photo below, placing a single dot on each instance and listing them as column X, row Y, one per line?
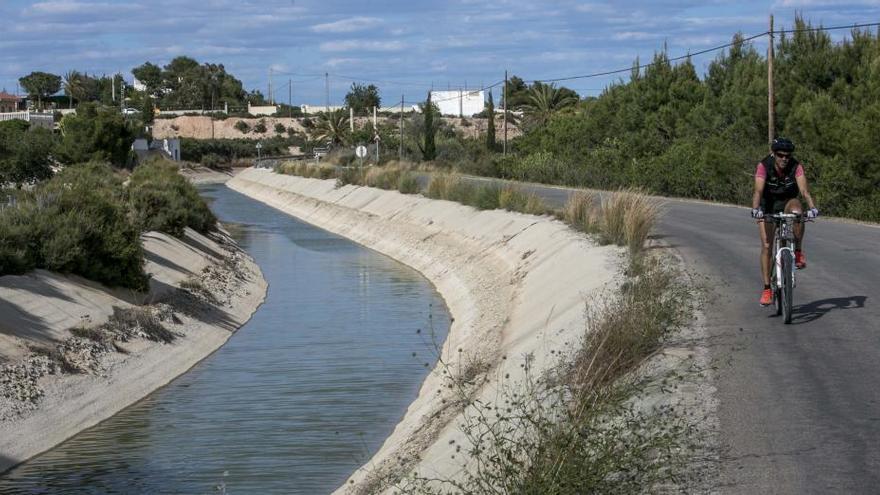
column 270, row 85
column 400, row 152
column 505, row 114
column 376, row 130
column 771, row 118
column 327, row 90
column 290, row 98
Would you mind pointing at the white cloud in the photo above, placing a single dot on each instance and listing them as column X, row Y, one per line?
column 364, row 45
column 349, row 25
column 67, row 7
column 634, row 35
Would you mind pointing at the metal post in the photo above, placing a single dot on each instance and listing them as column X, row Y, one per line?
column 400, row 152
column 505, row 114
column 290, row 98
column 327, row 89
column 351, row 118
column 771, row 118
column 376, row 130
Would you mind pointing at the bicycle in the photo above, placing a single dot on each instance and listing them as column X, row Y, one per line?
column 782, row 279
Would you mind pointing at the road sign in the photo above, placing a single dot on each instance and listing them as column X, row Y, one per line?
column 360, row 151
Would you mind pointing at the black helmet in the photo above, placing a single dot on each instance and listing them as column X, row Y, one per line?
column 782, row 144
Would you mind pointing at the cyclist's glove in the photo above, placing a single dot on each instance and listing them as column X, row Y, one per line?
column 812, row 213
column 757, row 213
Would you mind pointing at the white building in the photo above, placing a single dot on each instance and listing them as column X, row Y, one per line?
column 460, row 103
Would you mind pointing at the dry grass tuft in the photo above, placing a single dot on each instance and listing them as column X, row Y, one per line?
column 624, row 217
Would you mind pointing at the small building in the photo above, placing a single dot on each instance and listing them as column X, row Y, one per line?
column 168, row 148
column 315, row 109
column 9, row 103
column 460, row 102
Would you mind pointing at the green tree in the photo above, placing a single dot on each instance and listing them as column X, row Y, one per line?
column 40, row 85
column 332, row 127
column 25, row 154
column 429, row 150
column 362, row 98
column 150, row 75
column 95, row 133
column 490, row 124
column 543, row 101
column 73, row 86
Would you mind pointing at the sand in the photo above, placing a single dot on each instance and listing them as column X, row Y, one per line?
column 44, row 407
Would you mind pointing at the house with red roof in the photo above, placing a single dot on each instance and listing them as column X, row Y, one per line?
column 9, row 103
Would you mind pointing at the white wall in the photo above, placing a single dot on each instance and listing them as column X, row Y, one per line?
column 459, row 102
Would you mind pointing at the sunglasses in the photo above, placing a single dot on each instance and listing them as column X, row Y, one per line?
column 783, row 156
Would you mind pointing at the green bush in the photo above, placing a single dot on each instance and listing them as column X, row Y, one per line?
column 77, row 223
column 260, row 127
column 242, row 127
column 162, row 200
column 279, row 128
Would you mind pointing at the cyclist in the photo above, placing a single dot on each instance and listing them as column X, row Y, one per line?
column 779, row 180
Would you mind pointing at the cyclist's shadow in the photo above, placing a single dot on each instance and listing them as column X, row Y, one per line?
column 806, row 313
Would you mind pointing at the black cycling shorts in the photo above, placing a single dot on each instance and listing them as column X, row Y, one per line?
column 776, row 205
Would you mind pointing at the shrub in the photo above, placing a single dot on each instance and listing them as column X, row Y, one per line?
column 242, row 127
column 77, row 222
column 260, row 127
column 408, row 184
column 279, row 128
column 161, row 199
column 486, row 197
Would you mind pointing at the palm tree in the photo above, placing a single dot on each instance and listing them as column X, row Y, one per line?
column 544, row 100
column 73, row 86
column 332, row 126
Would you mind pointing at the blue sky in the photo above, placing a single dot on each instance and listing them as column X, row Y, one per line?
column 407, row 45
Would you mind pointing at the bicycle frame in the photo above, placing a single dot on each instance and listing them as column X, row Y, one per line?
column 783, row 240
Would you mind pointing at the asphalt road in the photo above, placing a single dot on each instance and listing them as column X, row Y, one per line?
column 799, row 404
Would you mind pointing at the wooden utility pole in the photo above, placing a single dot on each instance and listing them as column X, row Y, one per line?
column 771, row 118
column 327, row 89
column 505, row 114
column 290, row 98
column 400, row 152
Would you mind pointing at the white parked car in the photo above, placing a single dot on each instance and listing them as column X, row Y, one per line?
column 130, row 111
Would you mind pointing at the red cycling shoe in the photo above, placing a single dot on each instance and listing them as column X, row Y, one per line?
column 800, row 261
column 767, row 297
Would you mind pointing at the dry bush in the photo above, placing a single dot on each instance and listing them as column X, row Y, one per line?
column 441, row 184
column 581, row 213
column 624, row 217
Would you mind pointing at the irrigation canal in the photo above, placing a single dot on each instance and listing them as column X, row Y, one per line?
column 298, row 398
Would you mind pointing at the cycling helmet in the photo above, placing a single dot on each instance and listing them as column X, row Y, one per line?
column 782, row 144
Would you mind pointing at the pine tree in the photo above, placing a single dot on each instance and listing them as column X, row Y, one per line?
column 429, row 152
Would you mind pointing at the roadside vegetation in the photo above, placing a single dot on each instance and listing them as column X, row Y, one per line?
column 86, row 221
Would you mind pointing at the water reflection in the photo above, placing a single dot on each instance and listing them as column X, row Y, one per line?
column 295, row 401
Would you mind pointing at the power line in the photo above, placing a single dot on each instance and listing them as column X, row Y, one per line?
column 629, row 69
column 707, row 50
column 833, row 28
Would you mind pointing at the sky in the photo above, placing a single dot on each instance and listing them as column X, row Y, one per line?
column 404, row 47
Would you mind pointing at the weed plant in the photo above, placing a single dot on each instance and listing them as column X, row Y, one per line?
column 580, row 427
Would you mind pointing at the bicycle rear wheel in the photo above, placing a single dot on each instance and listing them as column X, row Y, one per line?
column 787, row 285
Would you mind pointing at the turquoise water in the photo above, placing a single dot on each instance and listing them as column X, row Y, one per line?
column 298, row 398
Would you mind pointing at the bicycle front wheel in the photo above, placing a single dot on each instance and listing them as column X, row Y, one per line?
column 787, row 285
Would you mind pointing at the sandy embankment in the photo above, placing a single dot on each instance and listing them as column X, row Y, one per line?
column 39, row 409
column 514, row 284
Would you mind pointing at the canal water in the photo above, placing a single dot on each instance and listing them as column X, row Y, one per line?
column 296, row 400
